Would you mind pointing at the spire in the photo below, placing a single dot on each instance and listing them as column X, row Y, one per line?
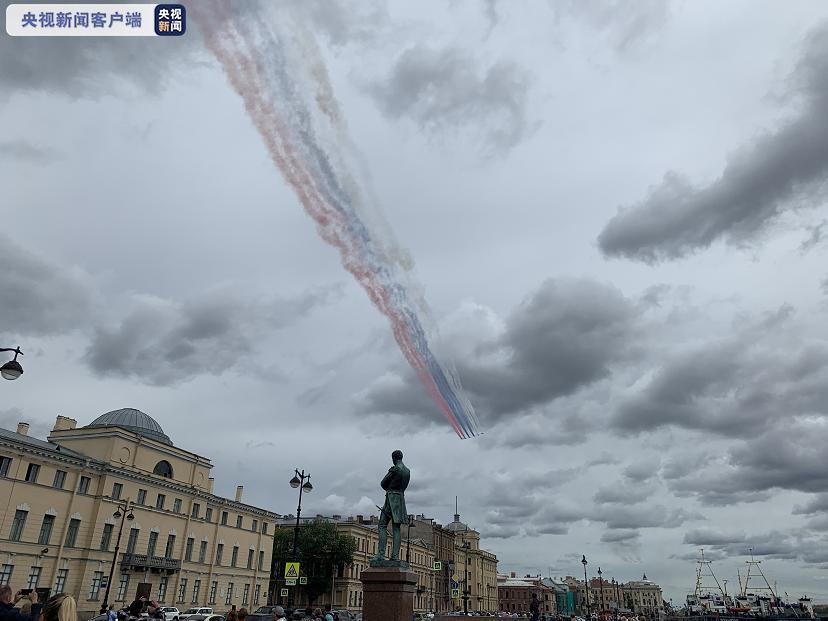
column 456, row 511
column 645, row 577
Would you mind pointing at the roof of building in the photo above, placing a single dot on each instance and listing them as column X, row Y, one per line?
column 132, row 420
column 457, row 526
column 37, row 443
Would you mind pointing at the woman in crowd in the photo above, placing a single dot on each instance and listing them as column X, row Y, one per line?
column 60, row 607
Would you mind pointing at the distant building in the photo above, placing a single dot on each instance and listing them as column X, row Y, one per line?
column 634, row 597
column 515, row 594
column 643, row 596
column 185, row 545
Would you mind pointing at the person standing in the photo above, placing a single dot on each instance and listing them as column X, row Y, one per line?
column 278, row 613
column 534, row 607
column 60, row 607
column 328, row 614
column 7, row 610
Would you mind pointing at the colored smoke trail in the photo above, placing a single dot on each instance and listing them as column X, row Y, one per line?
column 277, row 69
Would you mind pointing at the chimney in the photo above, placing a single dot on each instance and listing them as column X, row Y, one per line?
column 63, row 423
column 239, row 490
column 211, row 481
column 23, row 429
column 359, row 519
column 513, row 575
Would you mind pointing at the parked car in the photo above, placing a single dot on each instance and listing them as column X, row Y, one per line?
column 263, row 613
column 170, row 613
column 190, row 612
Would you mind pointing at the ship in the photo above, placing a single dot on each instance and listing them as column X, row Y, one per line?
column 760, row 600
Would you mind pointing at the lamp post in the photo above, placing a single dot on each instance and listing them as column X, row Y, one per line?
column 124, row 513
column 12, row 369
column 615, row 587
column 586, row 582
column 302, row 481
column 601, row 589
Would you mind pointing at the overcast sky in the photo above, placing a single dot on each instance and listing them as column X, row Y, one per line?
column 616, row 211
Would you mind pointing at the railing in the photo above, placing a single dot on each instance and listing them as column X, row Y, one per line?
column 151, row 562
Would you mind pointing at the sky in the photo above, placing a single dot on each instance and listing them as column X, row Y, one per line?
column 615, row 212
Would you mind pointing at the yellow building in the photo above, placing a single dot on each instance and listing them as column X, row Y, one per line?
column 60, row 522
column 476, row 568
column 643, row 597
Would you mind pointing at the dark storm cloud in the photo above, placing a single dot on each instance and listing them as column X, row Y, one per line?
column 782, row 170
column 737, row 386
column 447, row 88
column 620, row 536
column 642, row 516
column 563, row 337
column 90, row 67
column 643, row 470
column 39, row 297
column 773, row 544
column 623, row 494
column 163, row 343
column 817, row 504
column 708, row 537
column 24, row 151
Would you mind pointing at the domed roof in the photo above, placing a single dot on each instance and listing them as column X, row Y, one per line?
column 132, row 420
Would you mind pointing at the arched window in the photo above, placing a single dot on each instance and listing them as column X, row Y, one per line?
column 163, row 469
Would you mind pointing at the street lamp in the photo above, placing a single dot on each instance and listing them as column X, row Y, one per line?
column 586, row 583
column 302, row 481
column 12, row 369
column 615, row 587
column 466, row 591
column 123, row 512
column 601, row 588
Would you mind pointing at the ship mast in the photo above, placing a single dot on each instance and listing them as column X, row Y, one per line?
column 753, row 563
column 702, row 563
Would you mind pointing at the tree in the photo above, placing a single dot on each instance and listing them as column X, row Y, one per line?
column 322, row 550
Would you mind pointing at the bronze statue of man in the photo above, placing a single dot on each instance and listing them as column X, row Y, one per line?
column 394, row 483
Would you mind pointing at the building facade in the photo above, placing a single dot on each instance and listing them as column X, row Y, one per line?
column 515, row 594
column 120, row 482
column 639, row 597
column 643, row 597
column 476, row 568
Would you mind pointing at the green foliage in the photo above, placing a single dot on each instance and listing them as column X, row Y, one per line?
column 322, row 551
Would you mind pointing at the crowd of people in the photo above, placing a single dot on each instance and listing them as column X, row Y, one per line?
column 24, row 606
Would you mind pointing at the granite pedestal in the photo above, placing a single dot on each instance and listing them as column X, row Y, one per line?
column 388, row 592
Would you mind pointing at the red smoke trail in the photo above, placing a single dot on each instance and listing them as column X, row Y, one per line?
column 244, row 71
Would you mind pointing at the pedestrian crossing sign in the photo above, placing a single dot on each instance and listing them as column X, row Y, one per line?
column 303, row 580
column 455, row 593
column 284, row 592
column 438, row 565
column 291, row 570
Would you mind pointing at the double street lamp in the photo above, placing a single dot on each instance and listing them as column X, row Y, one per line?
column 123, row 512
column 586, row 583
column 12, row 369
column 302, row 481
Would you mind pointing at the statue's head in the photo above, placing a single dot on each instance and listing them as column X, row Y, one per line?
column 396, row 456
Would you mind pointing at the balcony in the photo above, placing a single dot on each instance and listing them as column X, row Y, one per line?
column 154, row 564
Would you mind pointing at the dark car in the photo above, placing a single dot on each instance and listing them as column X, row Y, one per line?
column 262, row 613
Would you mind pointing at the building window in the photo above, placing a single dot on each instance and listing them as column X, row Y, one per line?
column 162, row 588
column 182, row 590
column 264, row 528
column 34, row 577
column 159, row 501
column 202, row 552
column 142, row 497
column 5, row 464
column 196, row 590
column 106, row 537
column 250, row 554
column 177, row 505
column 234, row 557
column 213, row 589
column 60, row 479
column 224, row 518
column 95, row 589
column 6, row 574
column 238, row 521
column 168, row 550
column 153, row 541
column 31, row 473
column 229, row 597
column 196, row 510
column 188, row 551
column 123, row 585
column 18, row 523
column 256, row 594
column 163, row 469
column 254, row 526
column 46, row 530
column 72, row 535
column 117, row 488
column 219, row 552
column 245, row 594
column 60, row 581
column 133, row 539
column 208, row 514
column 83, row 486
column 261, row 559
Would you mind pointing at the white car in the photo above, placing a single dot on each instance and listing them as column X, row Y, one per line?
column 194, row 611
column 170, row 613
